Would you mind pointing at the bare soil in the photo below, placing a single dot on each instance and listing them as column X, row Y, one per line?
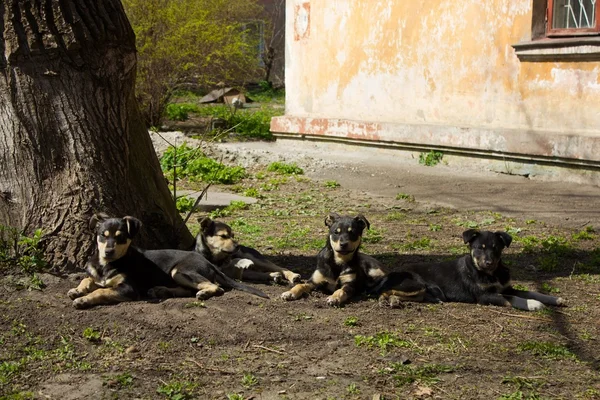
column 244, row 346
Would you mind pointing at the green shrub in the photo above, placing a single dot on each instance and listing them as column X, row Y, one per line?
column 285, row 169
column 193, row 164
column 249, row 123
column 430, row 159
column 180, row 111
column 184, row 204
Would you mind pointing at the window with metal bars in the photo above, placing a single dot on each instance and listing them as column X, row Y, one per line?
column 572, row 17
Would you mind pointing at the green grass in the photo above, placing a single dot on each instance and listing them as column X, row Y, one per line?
column 427, row 374
column 353, row 389
column 249, row 380
column 91, row 335
column 406, row 197
column 331, row 184
column 177, row 390
column 285, row 168
column 547, row 350
column 431, row 159
column 384, row 341
column 351, row 321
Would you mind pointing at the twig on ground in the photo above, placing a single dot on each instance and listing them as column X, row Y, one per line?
column 522, row 316
column 210, row 368
column 258, row 346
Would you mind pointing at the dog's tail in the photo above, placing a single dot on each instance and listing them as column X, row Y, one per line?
column 228, row 282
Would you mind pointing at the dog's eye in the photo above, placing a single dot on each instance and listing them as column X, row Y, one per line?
column 349, row 229
column 225, row 236
column 338, row 230
column 118, row 233
column 106, row 233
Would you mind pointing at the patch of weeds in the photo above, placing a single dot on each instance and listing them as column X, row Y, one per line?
column 302, row 317
column 456, row 250
column 531, row 221
column 233, row 206
column 548, row 262
column 67, row 358
column 352, row 389
column 520, row 287
column 587, row 278
column 435, row 227
column 529, row 243
column 235, row 396
column 195, row 304
column 91, row 335
column 242, row 226
column 284, row 168
column 547, row 350
column 466, row 224
column 425, row 374
column 351, row 321
column 331, row 184
column 587, row 234
column 395, row 216
column 519, row 395
column 382, row 340
column 418, row 244
column 180, row 111
column 177, row 390
column 184, row 204
column 164, row 345
column 372, row 236
column 249, row 123
column 121, row 381
column 252, row 192
column 546, row 288
column 18, row 396
column 404, row 196
column 249, row 380
column 586, row 335
column 8, row 370
column 512, row 231
column 191, row 163
column 431, row 159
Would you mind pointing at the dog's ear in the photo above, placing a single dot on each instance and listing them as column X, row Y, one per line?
column 205, row 223
column 504, row 237
column 362, row 221
column 96, row 219
column 331, row 218
column 133, row 225
column 470, row 235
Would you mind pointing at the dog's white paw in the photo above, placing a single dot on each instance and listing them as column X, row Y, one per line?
column 561, row 302
column 288, row 296
column 206, row 294
column 534, row 305
column 294, row 278
column 74, row 293
column 277, row 277
column 244, row 263
column 81, row 303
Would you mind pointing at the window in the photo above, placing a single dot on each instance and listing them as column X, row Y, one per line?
column 572, row 17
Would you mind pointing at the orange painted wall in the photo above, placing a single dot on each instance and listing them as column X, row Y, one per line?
column 432, row 62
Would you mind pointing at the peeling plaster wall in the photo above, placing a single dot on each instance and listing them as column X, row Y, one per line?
column 435, row 63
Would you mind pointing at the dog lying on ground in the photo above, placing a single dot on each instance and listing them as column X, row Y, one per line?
column 120, row 272
column 216, row 243
column 479, row 277
column 341, row 268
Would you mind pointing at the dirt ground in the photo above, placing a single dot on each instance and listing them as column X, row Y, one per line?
column 244, row 347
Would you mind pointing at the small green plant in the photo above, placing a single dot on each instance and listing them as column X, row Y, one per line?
column 382, row 340
column 372, row 236
column 431, row 159
column 546, row 350
column 249, row 380
column 435, row 227
column 332, row 184
column 251, row 192
column 302, row 317
column 122, row 380
column 180, row 111
column 546, row 288
column 176, row 390
column 418, row 244
column 285, row 169
column 426, row 374
column 405, row 196
column 352, row 389
column 235, row 396
column 184, row 204
column 195, row 304
column 351, row 321
column 587, row 234
column 91, row 335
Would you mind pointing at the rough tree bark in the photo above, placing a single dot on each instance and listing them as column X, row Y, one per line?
column 71, row 138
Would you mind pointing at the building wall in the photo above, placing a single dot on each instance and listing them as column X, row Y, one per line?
column 435, row 73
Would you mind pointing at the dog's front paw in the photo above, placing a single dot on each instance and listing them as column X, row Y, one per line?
column 288, row 296
column 338, row 298
column 74, row 293
column 81, row 303
column 534, row 305
column 293, row 278
column 561, row 302
column 277, row 277
column 206, row 294
column 244, row 263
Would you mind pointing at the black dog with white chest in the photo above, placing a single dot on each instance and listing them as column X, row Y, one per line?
column 479, row 277
column 341, row 268
column 119, row 272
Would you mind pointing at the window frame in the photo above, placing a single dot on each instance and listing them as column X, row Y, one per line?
column 561, row 32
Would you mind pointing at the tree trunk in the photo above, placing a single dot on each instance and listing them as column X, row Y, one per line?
column 72, row 142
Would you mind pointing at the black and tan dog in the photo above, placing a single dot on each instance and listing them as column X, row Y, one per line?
column 217, row 244
column 479, row 277
column 119, row 272
column 341, row 268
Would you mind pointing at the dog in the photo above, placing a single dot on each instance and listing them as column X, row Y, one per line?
column 341, row 268
column 479, row 277
column 216, row 243
column 119, row 272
